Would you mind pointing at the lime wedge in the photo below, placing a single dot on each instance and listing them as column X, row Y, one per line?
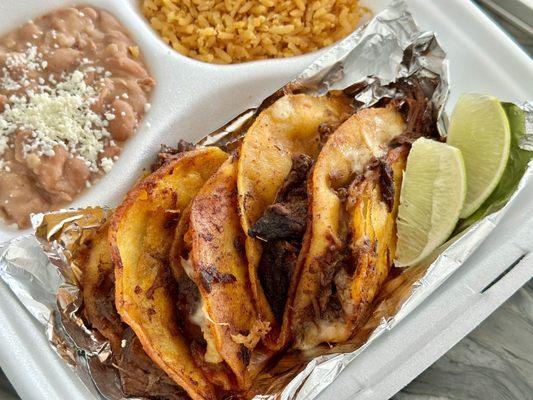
column 480, row 129
column 432, row 197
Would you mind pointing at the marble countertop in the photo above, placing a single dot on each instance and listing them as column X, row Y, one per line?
column 495, row 361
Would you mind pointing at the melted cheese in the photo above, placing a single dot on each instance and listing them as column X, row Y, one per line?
column 322, row 332
column 200, row 318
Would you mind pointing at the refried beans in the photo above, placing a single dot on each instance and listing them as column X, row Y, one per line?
column 73, row 88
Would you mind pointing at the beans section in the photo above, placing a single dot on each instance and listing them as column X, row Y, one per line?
column 73, row 88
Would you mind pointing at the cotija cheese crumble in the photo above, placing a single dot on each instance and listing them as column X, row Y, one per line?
column 73, row 88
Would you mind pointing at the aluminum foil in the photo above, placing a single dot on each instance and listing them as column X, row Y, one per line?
column 389, row 48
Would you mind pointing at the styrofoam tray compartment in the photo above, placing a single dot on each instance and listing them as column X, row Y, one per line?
column 193, row 98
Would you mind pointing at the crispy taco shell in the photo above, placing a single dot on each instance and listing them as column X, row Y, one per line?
column 373, row 228
column 98, row 286
column 139, row 376
column 220, row 267
column 287, row 128
column 140, row 235
column 335, row 277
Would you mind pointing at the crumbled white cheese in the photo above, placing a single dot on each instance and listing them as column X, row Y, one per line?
column 8, row 83
column 27, row 60
column 106, row 163
column 59, row 115
column 57, row 112
column 4, row 127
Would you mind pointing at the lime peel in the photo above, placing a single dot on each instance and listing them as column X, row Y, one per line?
column 479, row 127
column 432, row 197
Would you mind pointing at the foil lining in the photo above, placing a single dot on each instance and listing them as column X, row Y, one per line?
column 389, row 48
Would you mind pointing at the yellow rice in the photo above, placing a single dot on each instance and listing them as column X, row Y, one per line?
column 232, row 31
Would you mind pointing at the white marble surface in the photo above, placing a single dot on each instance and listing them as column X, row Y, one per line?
column 494, row 362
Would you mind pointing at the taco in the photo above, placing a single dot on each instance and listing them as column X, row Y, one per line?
column 146, row 296
column 275, row 157
column 214, row 258
column 139, row 376
column 351, row 234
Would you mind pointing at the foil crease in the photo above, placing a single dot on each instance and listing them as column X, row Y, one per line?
column 389, row 48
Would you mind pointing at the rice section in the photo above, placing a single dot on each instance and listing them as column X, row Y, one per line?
column 231, row 31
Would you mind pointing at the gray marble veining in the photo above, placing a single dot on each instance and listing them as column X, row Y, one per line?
column 494, row 362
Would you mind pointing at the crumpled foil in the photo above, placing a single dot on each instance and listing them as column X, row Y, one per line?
column 389, row 48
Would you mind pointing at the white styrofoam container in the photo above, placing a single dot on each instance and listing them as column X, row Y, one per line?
column 193, row 98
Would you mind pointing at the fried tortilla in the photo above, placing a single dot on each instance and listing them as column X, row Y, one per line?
column 139, row 376
column 351, row 234
column 374, row 208
column 98, row 284
column 140, row 235
column 287, row 129
column 220, row 270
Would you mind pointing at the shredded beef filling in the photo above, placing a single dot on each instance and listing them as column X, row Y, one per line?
column 140, row 376
column 187, row 302
column 418, row 112
column 105, row 316
column 386, row 183
column 281, row 227
column 168, row 153
column 339, row 258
